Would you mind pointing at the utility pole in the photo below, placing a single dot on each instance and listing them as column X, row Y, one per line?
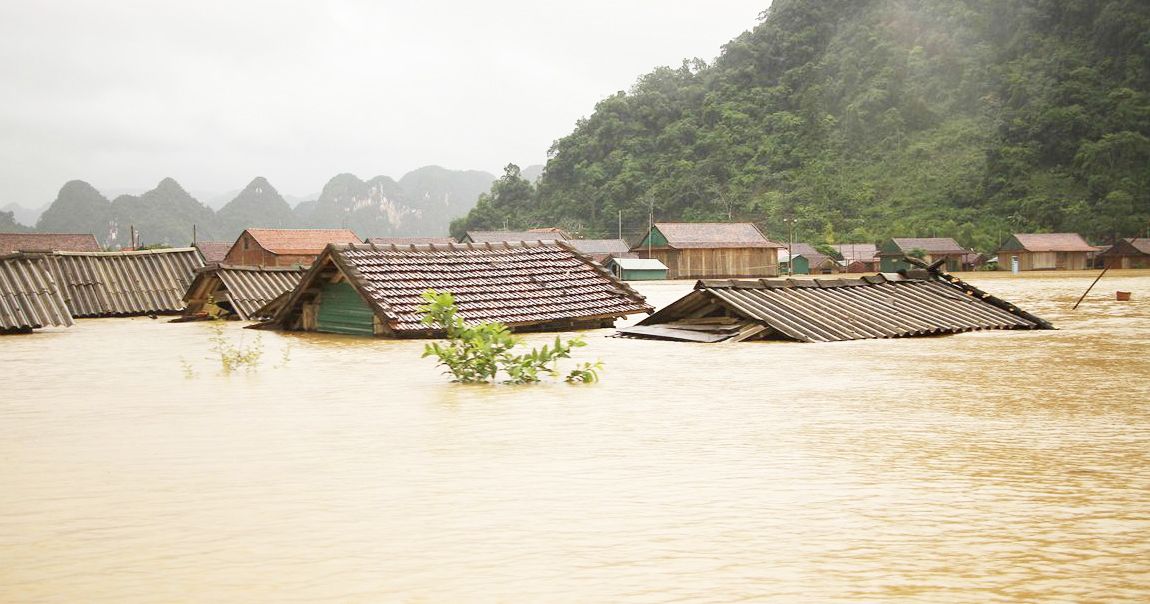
column 620, row 224
column 790, row 222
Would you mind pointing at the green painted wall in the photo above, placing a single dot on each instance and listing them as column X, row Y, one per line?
column 801, row 266
column 656, row 237
column 342, row 310
column 645, row 275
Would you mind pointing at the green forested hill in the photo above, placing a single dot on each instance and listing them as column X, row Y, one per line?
column 868, row 119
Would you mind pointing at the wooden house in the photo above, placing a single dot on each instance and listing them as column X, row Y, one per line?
column 238, row 292
column 30, row 298
column 601, row 250
column 48, row 242
column 893, row 251
column 859, row 257
column 921, row 303
column 366, row 289
column 706, row 250
column 1128, row 253
column 806, row 259
column 540, row 234
column 284, row 247
column 637, row 269
column 1045, row 251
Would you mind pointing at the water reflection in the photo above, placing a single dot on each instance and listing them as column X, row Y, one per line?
column 996, row 466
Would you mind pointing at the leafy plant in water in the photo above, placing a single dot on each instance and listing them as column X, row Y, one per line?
column 478, row 353
column 238, row 355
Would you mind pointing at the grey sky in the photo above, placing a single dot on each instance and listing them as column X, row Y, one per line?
column 122, row 93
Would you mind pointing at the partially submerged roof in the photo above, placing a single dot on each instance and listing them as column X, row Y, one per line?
column 243, row 289
column 827, row 310
column 48, row 242
column 105, row 284
column 593, row 247
column 29, row 297
column 546, row 234
column 213, row 251
column 300, row 241
column 535, row 285
column 935, row 246
column 409, row 240
column 1047, row 242
column 852, row 252
column 707, row 235
column 1139, row 246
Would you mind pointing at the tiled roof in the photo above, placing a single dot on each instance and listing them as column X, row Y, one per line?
column 213, row 251
column 29, row 297
column 532, row 235
column 300, row 241
column 518, row 284
column 48, row 242
column 931, row 245
column 409, row 240
column 1052, row 242
column 825, row 310
column 245, row 288
column 125, row 283
column 688, row 235
column 1141, row 244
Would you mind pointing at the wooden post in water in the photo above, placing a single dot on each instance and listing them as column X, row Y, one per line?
column 1105, row 268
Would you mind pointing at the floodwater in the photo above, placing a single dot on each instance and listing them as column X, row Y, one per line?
column 982, row 467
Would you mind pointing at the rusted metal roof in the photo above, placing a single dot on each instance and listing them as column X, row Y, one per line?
column 213, row 251
column 1048, row 242
column 541, row 285
column 29, row 297
column 827, row 310
column 124, row 284
column 245, row 289
column 48, row 242
column 709, row 235
column 300, row 241
column 935, row 246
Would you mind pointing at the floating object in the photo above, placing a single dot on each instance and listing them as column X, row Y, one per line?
column 1123, row 296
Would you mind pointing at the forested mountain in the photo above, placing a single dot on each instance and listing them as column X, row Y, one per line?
column 258, row 205
column 441, row 195
column 79, row 208
column 165, row 215
column 864, row 119
column 8, row 224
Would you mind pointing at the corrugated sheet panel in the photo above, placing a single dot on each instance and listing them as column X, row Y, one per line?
column 517, row 284
column 826, row 310
column 125, row 283
column 29, row 297
column 250, row 288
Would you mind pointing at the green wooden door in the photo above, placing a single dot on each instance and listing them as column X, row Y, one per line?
column 342, row 310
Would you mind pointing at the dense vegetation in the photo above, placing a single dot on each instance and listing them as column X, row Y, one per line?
column 421, row 204
column 869, row 119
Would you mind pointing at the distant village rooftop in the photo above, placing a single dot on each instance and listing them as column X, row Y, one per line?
column 48, row 242
column 1047, row 242
column 709, row 235
column 300, row 241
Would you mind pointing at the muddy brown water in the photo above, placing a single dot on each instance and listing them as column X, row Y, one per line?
column 982, row 467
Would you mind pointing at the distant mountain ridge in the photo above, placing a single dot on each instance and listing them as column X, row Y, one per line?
column 422, row 203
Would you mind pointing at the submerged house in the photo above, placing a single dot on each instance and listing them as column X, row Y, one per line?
column 637, row 269
column 284, row 247
column 123, row 284
column 213, row 252
column 805, row 259
column 858, row 257
column 48, row 242
column 711, row 249
column 892, row 252
column 1045, row 251
column 29, row 296
column 239, row 292
column 366, row 289
column 1128, row 253
column 921, row 303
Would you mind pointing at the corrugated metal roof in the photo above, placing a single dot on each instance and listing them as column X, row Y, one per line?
column 593, row 247
column 125, row 283
column 29, row 297
column 826, row 310
column 526, row 284
column 246, row 288
column 852, row 252
column 1052, row 242
column 409, row 240
column 689, row 235
column 48, row 242
column 934, row 246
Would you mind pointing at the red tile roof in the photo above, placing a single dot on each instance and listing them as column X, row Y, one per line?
column 213, row 251
column 518, row 284
column 300, row 241
column 1053, row 242
column 409, row 240
column 695, row 235
column 48, row 242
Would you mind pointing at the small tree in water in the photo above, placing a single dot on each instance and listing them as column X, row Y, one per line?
column 477, row 354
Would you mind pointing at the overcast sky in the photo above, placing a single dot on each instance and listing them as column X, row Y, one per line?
column 122, row 93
